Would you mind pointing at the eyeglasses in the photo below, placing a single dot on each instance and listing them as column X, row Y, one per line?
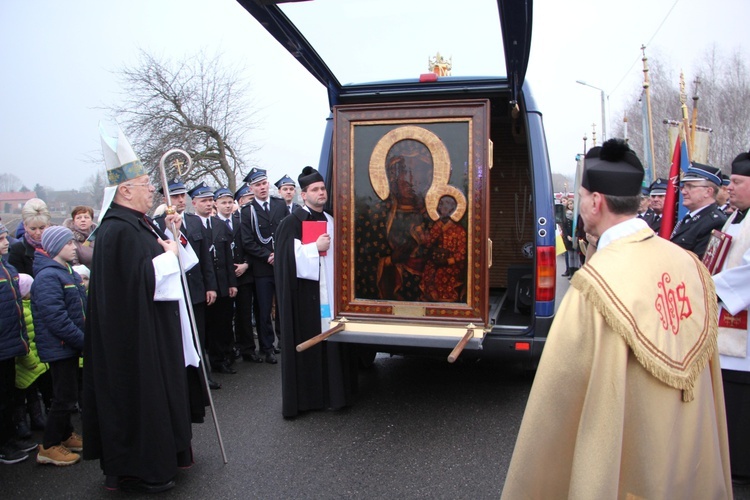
column 692, row 186
column 131, row 184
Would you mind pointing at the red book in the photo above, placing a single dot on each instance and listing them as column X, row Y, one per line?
column 716, row 251
column 738, row 321
column 312, row 229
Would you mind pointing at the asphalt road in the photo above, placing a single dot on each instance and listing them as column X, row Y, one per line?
column 421, row 428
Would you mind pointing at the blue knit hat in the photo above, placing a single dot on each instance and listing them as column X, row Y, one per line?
column 54, row 238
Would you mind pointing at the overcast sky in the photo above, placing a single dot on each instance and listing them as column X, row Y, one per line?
column 59, row 60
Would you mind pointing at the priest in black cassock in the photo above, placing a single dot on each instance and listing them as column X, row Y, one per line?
column 137, row 418
column 322, row 376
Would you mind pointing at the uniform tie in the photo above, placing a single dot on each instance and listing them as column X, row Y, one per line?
column 683, row 221
column 265, row 206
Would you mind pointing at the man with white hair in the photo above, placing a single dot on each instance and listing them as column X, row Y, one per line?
column 137, row 421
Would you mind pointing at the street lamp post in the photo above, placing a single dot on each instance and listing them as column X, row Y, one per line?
column 604, row 118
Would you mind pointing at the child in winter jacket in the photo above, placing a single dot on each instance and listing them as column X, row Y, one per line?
column 28, row 369
column 13, row 342
column 58, row 303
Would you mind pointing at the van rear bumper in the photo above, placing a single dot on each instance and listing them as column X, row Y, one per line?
column 403, row 340
column 503, row 345
column 497, row 344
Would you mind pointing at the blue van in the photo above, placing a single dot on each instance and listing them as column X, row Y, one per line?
column 440, row 184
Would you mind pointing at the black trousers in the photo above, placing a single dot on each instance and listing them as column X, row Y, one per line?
column 64, row 398
column 243, row 318
column 7, row 385
column 265, row 290
column 737, row 403
column 219, row 329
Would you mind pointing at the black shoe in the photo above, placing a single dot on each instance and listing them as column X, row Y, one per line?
column 276, row 350
column 270, row 358
column 740, row 480
column 223, row 368
column 236, row 353
column 566, row 273
column 213, row 385
column 252, row 357
column 137, row 485
column 9, row 454
column 24, row 445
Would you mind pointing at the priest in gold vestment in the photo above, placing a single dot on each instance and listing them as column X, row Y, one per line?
column 627, row 401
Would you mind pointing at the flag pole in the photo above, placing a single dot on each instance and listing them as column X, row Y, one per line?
column 685, row 116
column 694, row 126
column 175, row 153
column 647, row 90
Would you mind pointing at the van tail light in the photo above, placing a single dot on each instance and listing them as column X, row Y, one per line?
column 522, row 346
column 546, row 272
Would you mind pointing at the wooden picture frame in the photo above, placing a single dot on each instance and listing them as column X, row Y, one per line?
column 410, row 194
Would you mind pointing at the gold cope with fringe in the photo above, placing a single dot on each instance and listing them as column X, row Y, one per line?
column 671, row 326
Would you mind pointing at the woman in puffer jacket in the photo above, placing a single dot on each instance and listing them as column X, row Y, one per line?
column 28, row 370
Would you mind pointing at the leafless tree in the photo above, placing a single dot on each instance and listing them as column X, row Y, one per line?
column 9, row 183
column 562, row 183
column 196, row 104
column 94, row 187
column 724, row 97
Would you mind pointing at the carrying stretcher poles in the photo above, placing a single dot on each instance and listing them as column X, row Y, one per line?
column 453, row 356
column 321, row 336
column 170, row 210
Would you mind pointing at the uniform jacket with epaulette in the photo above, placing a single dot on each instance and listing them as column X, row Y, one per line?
column 694, row 234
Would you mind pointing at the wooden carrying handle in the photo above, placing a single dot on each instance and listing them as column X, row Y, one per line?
column 320, row 337
column 453, row 356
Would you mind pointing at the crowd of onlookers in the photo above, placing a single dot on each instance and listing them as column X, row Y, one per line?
column 44, row 282
column 47, row 289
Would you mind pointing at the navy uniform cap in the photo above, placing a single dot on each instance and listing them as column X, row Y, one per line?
column 724, row 179
column 612, row 169
column 175, row 187
column 285, row 181
column 701, row 172
column 658, row 187
column 221, row 192
column 245, row 189
column 741, row 165
column 201, row 191
column 256, row 175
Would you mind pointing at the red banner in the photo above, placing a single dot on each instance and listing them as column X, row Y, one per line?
column 670, row 200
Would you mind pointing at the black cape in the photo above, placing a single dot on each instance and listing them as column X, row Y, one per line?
column 136, row 418
column 323, row 376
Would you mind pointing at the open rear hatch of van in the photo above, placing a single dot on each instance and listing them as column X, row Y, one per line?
column 434, row 245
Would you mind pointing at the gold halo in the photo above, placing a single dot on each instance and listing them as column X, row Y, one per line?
column 441, row 168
